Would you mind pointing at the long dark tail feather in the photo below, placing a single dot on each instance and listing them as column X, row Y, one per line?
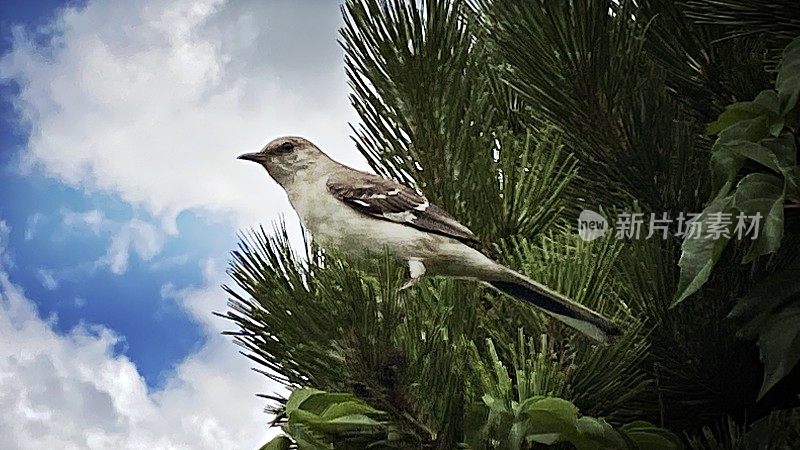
column 560, row 307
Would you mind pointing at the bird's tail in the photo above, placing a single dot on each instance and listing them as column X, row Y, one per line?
column 556, row 305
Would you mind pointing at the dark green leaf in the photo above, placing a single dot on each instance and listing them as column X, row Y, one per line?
column 756, row 152
column 700, row 254
column 737, row 112
column 279, row 443
column 647, row 436
column 779, row 345
column 343, row 424
column 788, row 80
column 320, row 402
column 768, row 102
column 734, row 144
column 347, row 408
column 598, row 430
column 299, row 396
column 761, row 196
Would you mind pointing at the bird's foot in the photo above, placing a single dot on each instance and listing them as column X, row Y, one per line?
column 409, row 282
column 415, row 272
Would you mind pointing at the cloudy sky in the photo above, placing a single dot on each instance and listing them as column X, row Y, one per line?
column 120, row 198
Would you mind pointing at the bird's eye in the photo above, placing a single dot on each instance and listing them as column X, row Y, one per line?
column 286, row 147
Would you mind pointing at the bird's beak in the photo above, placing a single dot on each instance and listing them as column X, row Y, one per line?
column 256, row 157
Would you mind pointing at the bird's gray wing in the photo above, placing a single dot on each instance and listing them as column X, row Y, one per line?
column 387, row 199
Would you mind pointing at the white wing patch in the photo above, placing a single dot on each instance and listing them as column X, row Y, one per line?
column 422, row 206
column 361, row 202
column 403, row 216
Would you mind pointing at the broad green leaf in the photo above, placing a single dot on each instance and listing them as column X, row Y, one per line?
column 545, row 438
column 756, row 152
column 788, row 81
column 730, row 150
column 340, row 424
column 728, row 158
column 600, row 431
column 647, row 436
column 298, row 396
column 549, row 416
column 779, row 345
column 785, row 151
column 768, row 101
column 348, row 408
column 724, row 164
column 344, row 424
column 737, row 112
column 776, row 127
column 699, row 255
column 306, row 439
column 279, row 443
column 302, row 417
column 783, row 148
column 762, row 194
column 320, row 401
column 751, row 130
column 765, row 105
column 551, row 410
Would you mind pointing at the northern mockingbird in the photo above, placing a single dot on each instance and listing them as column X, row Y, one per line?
column 356, row 212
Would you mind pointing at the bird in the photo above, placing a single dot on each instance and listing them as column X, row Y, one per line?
column 357, row 213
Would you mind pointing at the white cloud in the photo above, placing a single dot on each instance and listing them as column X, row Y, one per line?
column 31, row 224
column 169, row 262
column 153, row 100
column 47, row 278
column 135, row 236
column 73, row 392
column 94, row 219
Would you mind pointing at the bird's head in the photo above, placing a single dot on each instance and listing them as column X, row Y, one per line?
column 283, row 157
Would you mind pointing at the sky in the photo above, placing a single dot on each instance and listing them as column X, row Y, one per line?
column 120, row 200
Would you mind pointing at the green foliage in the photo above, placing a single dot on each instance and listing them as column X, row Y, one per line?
column 512, row 415
column 760, row 131
column 770, row 313
column 317, row 419
column 509, row 413
column 278, row 443
column 515, row 116
column 778, row 430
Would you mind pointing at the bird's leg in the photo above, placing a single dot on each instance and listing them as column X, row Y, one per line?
column 415, row 272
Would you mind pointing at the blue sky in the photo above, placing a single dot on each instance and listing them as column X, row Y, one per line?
column 120, row 198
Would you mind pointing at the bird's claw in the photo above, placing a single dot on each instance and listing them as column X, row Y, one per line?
column 409, row 282
column 415, row 272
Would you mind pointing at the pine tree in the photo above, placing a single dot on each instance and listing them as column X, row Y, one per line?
column 515, row 116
